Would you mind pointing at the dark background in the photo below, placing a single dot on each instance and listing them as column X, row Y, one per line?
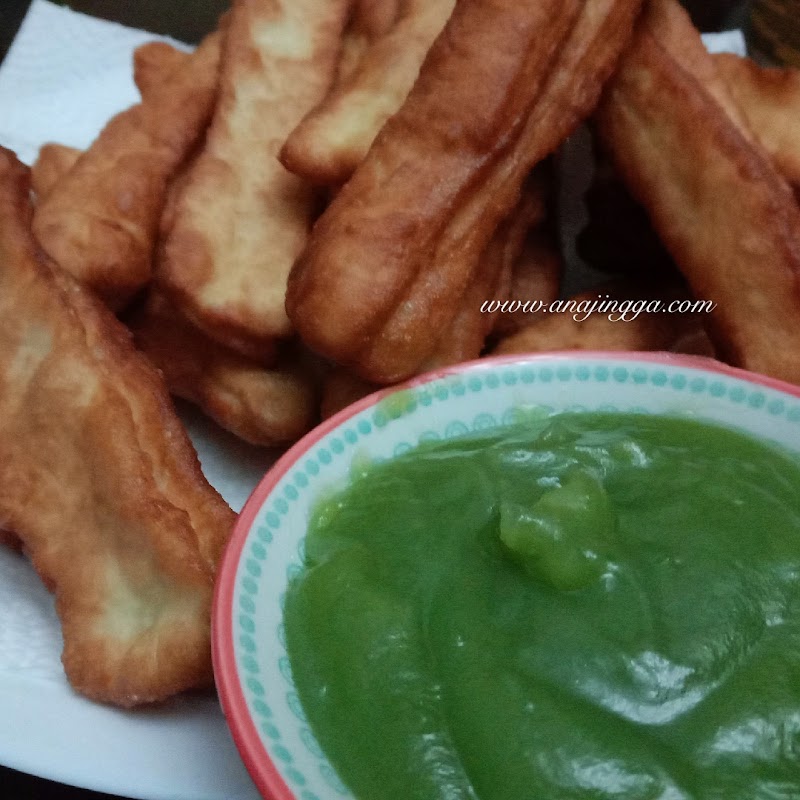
column 188, row 20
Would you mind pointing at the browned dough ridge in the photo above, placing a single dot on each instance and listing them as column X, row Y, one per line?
column 466, row 335
column 368, row 21
column 534, row 268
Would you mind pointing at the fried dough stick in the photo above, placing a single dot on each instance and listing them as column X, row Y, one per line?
column 99, row 480
column 646, row 331
column 333, row 139
column 727, row 217
column 770, row 101
column 100, row 221
column 392, row 255
column 153, row 63
column 257, row 401
column 241, row 218
column 499, row 274
column 264, row 405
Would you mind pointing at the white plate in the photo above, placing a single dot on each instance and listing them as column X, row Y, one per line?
column 182, row 751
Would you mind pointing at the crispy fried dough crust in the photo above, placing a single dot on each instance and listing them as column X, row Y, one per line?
column 536, row 275
column 465, row 337
column 333, row 139
column 100, row 221
column 242, row 218
column 727, row 217
column 261, row 403
column 368, row 21
column 534, row 267
column 53, row 163
column 154, row 63
column 390, row 258
column 99, row 480
column 770, row 100
column 341, row 388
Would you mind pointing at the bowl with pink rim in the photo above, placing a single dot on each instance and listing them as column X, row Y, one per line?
column 251, row 663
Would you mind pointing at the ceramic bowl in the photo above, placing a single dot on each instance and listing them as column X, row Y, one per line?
column 253, row 673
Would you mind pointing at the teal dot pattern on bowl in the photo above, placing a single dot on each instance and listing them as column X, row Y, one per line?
column 342, row 445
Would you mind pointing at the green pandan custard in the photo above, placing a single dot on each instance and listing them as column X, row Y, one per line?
column 586, row 607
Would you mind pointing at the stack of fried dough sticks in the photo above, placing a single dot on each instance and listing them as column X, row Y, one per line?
column 317, row 201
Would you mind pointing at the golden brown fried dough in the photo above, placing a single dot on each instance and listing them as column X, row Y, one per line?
column 154, row 63
column 578, row 330
column 53, row 162
column 534, row 267
column 770, row 101
column 392, row 255
column 536, row 275
column 340, row 388
column 465, row 337
column 100, row 221
column 373, row 18
column 262, row 403
column 727, row 217
column 333, row 139
column 99, row 480
column 242, row 218
column 369, row 20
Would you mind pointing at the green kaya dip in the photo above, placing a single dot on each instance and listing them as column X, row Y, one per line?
column 590, row 606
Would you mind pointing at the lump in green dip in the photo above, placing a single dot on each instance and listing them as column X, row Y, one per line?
column 603, row 606
column 559, row 538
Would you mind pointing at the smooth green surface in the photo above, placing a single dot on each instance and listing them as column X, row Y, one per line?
column 603, row 607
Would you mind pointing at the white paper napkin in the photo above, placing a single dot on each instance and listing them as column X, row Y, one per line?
column 726, row 42
column 64, row 76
